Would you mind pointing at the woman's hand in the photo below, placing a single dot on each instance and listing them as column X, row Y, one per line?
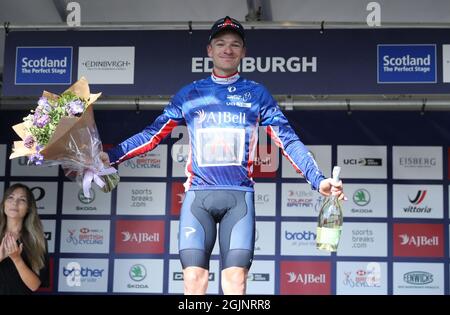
column 11, row 248
column 3, row 249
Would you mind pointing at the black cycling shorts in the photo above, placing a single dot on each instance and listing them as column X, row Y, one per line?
column 201, row 211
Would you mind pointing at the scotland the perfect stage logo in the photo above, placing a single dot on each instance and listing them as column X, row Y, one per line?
column 43, row 65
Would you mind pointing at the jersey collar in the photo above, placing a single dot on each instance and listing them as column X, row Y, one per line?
column 225, row 80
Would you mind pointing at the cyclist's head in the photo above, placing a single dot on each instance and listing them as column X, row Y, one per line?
column 227, row 24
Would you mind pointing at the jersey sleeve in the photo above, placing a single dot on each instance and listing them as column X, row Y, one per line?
column 151, row 136
column 279, row 129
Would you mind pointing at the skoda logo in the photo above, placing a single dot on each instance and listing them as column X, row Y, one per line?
column 138, row 272
column 84, row 199
column 361, row 197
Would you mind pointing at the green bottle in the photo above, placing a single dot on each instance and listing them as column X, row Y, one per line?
column 330, row 220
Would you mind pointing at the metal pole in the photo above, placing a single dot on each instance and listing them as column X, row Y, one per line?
column 158, row 103
column 184, row 25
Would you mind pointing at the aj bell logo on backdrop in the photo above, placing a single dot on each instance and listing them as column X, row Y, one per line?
column 418, row 240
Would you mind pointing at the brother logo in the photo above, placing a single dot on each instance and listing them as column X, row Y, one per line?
column 299, row 236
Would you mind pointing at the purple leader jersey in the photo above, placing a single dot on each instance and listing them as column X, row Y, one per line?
column 222, row 116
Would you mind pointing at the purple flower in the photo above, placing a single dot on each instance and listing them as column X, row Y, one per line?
column 42, row 101
column 44, row 104
column 75, row 108
column 42, row 121
column 29, row 142
column 36, row 159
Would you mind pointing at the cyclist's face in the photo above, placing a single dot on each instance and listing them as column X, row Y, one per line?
column 226, row 51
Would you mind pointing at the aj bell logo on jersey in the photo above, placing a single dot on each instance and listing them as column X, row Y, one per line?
column 219, row 118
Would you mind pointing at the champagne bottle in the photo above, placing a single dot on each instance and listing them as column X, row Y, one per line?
column 330, row 220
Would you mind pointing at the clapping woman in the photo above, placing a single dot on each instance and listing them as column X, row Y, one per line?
column 23, row 250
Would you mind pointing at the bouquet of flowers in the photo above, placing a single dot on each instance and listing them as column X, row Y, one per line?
column 62, row 131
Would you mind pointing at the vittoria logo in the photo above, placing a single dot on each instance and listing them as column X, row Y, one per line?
column 418, row 198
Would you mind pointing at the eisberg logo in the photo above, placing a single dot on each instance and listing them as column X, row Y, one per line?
column 418, row 277
column 420, row 162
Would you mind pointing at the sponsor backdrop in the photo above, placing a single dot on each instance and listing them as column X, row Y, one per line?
column 395, row 164
column 395, row 238
column 387, row 61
